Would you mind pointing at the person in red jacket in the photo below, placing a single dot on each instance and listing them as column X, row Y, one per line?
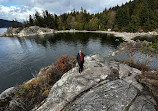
column 80, row 60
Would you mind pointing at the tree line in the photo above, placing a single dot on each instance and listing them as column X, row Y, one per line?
column 134, row 16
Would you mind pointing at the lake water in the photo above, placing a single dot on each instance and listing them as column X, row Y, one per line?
column 20, row 58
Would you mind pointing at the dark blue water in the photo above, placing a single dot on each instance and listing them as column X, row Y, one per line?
column 20, row 58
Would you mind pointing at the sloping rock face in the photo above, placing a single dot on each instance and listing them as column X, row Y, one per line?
column 105, row 85
column 7, row 100
column 71, row 84
column 7, row 92
column 114, row 96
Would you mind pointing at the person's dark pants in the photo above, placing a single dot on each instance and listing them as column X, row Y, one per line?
column 80, row 67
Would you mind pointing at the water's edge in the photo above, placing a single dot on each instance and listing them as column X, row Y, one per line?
column 127, row 36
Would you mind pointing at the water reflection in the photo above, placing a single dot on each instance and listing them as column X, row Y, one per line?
column 75, row 38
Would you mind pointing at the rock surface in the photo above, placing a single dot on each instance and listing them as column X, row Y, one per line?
column 28, row 31
column 7, row 93
column 150, row 79
column 114, row 96
column 105, row 85
column 71, row 84
column 6, row 99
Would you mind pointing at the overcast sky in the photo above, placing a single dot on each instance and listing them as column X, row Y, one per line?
column 20, row 9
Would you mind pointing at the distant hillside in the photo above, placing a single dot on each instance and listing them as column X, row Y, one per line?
column 7, row 23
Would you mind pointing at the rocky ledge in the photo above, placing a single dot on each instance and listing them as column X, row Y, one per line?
column 106, row 85
column 28, row 31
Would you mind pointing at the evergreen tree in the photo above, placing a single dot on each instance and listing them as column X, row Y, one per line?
column 38, row 20
column 31, row 21
column 94, row 24
column 132, row 17
column 111, row 19
column 122, row 18
column 134, row 24
column 15, row 23
column 56, row 20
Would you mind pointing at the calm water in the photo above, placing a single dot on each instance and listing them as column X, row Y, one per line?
column 20, row 58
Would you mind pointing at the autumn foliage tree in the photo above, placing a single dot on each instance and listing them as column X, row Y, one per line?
column 64, row 63
column 33, row 92
column 149, row 49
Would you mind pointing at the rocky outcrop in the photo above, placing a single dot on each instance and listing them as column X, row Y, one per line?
column 116, row 95
column 6, row 97
column 105, row 85
column 7, row 93
column 28, row 31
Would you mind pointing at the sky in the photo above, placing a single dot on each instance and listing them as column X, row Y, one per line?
column 21, row 9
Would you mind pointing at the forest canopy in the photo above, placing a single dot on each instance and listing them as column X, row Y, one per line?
column 134, row 16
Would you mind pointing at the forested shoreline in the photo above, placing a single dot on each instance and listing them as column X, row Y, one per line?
column 134, row 16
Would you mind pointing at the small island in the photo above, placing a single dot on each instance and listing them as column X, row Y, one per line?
column 26, row 32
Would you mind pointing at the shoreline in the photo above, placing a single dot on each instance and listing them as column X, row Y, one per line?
column 126, row 36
